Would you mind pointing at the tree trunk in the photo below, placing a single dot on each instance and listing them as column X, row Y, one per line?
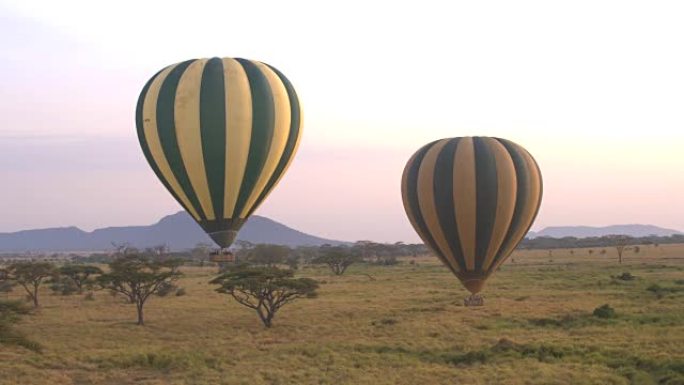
column 141, row 321
column 269, row 318
column 266, row 319
column 34, row 296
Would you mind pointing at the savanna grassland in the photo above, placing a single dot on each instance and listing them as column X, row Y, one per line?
column 402, row 324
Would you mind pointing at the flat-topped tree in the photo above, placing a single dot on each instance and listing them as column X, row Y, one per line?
column 200, row 252
column 138, row 277
column 620, row 242
column 29, row 275
column 338, row 258
column 80, row 275
column 268, row 254
column 264, row 289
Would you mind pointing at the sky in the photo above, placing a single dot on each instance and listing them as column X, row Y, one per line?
column 594, row 90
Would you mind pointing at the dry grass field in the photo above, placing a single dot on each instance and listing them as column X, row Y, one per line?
column 401, row 325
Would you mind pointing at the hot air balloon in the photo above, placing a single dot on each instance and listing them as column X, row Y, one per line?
column 472, row 200
column 219, row 133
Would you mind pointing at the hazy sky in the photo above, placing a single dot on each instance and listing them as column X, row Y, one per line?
column 593, row 89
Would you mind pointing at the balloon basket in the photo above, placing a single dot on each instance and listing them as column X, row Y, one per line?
column 473, row 300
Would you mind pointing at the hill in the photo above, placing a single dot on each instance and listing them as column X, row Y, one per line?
column 179, row 231
column 590, row 231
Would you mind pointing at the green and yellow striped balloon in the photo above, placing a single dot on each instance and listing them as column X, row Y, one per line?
column 219, row 133
column 472, row 200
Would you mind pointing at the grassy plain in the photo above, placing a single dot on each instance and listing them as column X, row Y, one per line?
column 382, row 325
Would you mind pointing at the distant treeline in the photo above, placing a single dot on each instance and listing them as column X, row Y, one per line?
column 605, row 241
column 372, row 252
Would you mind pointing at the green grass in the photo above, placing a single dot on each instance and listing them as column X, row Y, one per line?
column 405, row 325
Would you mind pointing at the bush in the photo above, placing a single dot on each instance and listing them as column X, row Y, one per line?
column 385, row 321
column 166, row 288
column 63, row 287
column 661, row 291
column 604, row 311
column 627, row 276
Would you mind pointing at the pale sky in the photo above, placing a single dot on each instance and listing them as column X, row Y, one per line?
column 593, row 89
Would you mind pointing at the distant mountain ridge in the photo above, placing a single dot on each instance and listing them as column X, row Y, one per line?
column 179, row 231
column 632, row 230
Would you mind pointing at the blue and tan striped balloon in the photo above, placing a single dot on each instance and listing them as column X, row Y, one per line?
column 219, row 133
column 472, row 200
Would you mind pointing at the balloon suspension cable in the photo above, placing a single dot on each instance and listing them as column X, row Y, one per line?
column 473, row 300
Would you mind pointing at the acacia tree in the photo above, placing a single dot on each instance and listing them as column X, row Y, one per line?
column 620, row 242
column 338, row 258
column 80, row 275
column 268, row 255
column 201, row 252
column 305, row 253
column 138, row 277
column 160, row 251
column 264, row 289
column 29, row 275
column 124, row 248
column 241, row 249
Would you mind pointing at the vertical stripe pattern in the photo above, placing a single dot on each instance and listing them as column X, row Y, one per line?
column 219, row 134
column 472, row 200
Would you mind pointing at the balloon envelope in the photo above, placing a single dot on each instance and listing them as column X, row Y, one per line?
column 219, row 133
column 472, row 200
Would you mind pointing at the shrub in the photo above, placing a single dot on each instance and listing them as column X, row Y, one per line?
column 661, row 291
column 166, row 288
column 386, row 260
column 63, row 287
column 385, row 321
column 604, row 311
column 626, row 276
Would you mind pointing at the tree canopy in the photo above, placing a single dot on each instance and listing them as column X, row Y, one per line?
column 264, row 289
column 138, row 277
